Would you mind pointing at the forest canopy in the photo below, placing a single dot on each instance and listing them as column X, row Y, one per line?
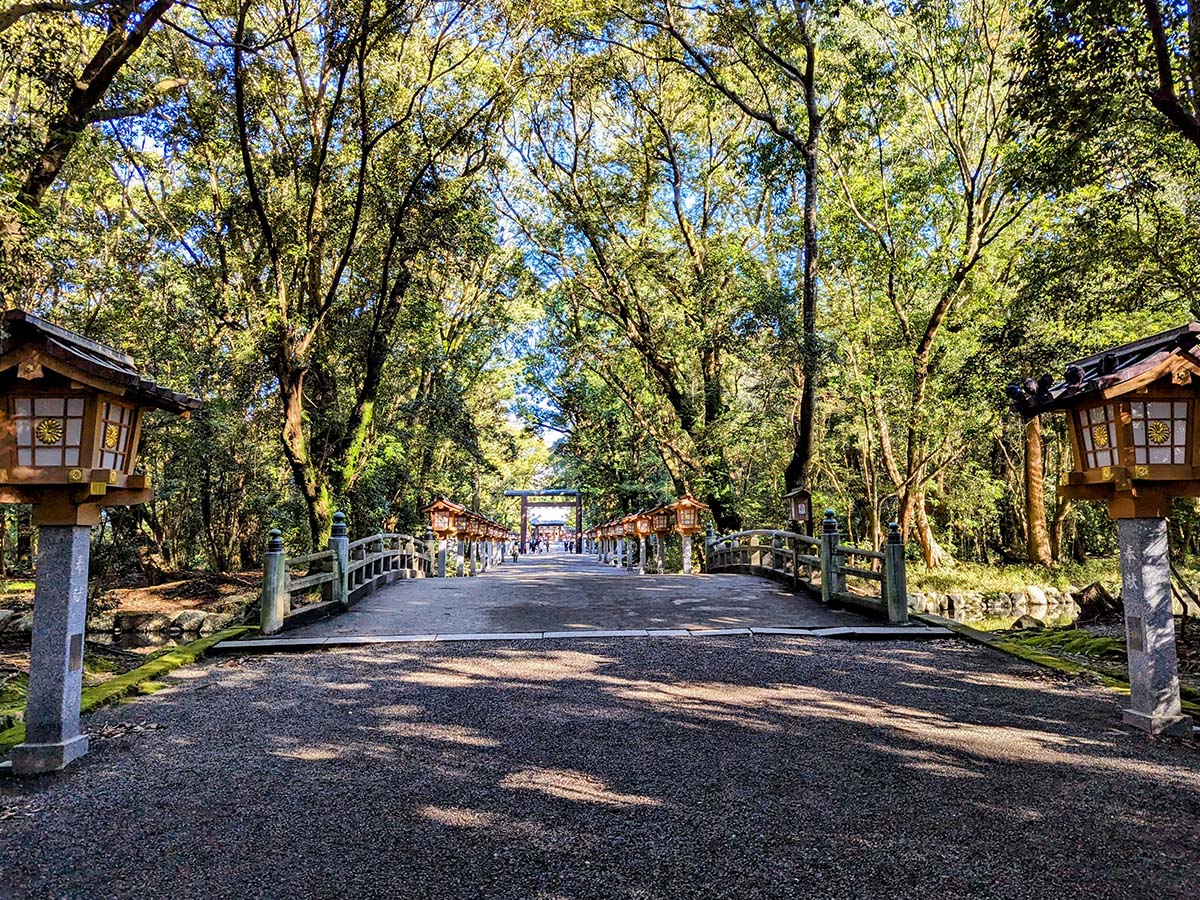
column 411, row 249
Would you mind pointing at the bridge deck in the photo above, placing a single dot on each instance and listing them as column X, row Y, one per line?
column 566, row 592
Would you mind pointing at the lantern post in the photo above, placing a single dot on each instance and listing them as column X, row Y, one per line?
column 460, row 544
column 643, row 525
column 443, row 519
column 661, row 518
column 1132, row 414
column 687, row 511
column 472, row 541
column 633, row 546
column 70, row 423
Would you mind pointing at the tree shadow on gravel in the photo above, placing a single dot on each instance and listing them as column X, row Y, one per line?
column 772, row 767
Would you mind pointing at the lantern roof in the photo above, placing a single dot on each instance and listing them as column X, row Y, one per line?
column 72, row 355
column 441, row 503
column 1111, row 373
column 687, row 501
column 797, row 492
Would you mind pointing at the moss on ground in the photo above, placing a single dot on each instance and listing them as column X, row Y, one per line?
column 1018, row 644
column 124, row 685
column 1076, row 641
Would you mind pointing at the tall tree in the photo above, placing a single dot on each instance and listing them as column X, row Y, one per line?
column 763, row 58
column 1091, row 65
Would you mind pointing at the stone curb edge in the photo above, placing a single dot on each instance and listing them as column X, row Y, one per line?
column 1045, row 660
column 123, row 685
column 860, row 633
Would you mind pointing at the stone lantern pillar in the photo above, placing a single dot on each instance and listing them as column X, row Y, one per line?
column 70, row 424
column 1132, row 416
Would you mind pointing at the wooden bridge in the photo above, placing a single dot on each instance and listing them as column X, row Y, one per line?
column 382, row 587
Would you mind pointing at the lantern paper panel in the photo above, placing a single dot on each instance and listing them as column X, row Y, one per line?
column 1159, row 432
column 1098, row 431
column 48, row 430
column 116, row 424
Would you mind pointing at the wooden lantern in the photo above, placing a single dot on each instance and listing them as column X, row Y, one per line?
column 70, row 424
column 443, row 516
column 1132, row 415
column 70, row 421
column 687, row 511
column 661, row 520
column 643, row 524
column 799, row 508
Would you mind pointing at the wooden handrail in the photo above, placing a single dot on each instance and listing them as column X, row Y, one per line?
column 779, row 557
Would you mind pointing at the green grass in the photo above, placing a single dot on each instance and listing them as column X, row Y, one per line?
column 132, row 682
column 8, row 586
column 965, row 576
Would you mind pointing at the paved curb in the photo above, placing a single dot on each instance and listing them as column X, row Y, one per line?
column 1045, row 660
column 854, row 633
column 123, row 685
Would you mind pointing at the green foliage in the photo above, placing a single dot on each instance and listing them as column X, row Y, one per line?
column 396, row 251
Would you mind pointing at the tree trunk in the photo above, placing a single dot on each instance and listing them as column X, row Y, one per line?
column 1037, row 535
column 934, row 553
column 307, row 477
column 796, row 474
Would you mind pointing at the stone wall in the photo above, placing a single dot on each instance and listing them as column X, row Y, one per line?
column 181, row 622
column 1034, row 600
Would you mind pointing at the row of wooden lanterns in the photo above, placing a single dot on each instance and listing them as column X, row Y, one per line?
column 449, row 519
column 682, row 516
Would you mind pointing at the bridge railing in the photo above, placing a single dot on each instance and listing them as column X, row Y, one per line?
column 333, row 579
column 780, row 554
column 820, row 563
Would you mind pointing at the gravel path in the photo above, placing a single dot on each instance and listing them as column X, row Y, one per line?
column 648, row 768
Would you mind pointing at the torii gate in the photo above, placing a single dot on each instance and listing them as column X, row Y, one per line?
column 549, row 492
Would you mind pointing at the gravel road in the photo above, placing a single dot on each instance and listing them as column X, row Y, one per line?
column 641, row 768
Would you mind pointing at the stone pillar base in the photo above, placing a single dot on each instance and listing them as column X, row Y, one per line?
column 35, row 759
column 1173, row 726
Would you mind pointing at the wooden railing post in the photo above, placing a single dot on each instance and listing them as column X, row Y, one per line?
column 794, row 542
column 274, row 603
column 358, row 554
column 829, row 540
column 895, row 580
column 339, row 543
